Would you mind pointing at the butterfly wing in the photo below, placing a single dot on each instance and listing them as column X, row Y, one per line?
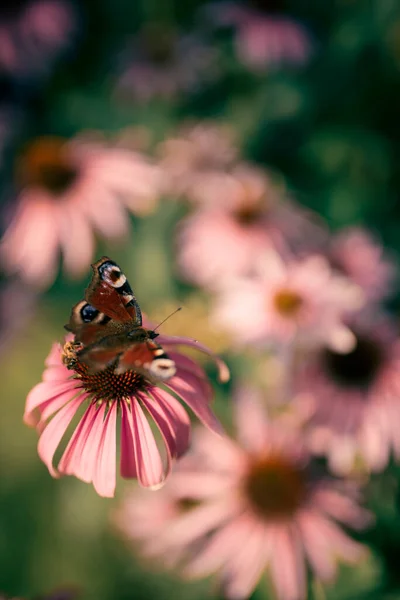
column 147, row 358
column 108, row 324
column 139, row 353
column 110, row 293
column 109, row 303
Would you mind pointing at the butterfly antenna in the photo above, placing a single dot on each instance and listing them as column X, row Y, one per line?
column 169, row 316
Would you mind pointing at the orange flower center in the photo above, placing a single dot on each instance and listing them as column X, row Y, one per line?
column 46, row 164
column 275, row 487
column 104, row 385
column 288, row 302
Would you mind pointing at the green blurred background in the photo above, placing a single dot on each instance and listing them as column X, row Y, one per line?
column 330, row 128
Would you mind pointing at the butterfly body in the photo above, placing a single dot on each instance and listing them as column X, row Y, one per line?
column 108, row 328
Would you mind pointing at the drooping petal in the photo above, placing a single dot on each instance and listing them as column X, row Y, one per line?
column 52, row 434
column 173, row 425
column 244, row 568
column 178, row 419
column 223, row 370
column 316, row 545
column 128, row 458
column 71, row 460
column 44, row 393
column 104, row 477
column 187, row 364
column 287, row 564
column 190, row 390
column 149, row 468
column 224, row 543
column 199, row 521
column 86, row 464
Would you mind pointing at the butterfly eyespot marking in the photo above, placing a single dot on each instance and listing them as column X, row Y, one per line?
column 88, row 313
column 163, row 368
column 112, row 274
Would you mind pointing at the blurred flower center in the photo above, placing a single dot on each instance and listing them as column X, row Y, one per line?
column 186, row 504
column 12, row 9
column 358, row 367
column 159, row 43
column 106, row 384
column 269, row 6
column 275, row 487
column 248, row 214
column 288, row 302
column 46, row 164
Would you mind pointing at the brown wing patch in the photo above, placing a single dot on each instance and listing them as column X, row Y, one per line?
column 110, row 292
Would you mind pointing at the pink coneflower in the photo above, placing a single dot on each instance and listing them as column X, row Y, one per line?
column 263, row 40
column 298, row 301
column 238, row 510
column 17, row 303
column 91, row 452
column 68, row 189
column 356, row 397
column 33, row 33
column 248, row 215
column 196, row 161
column 163, row 63
column 357, row 255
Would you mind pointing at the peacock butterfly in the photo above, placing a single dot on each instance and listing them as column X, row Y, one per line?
column 108, row 329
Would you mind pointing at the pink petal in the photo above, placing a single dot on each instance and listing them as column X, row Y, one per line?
column 127, row 460
column 342, row 508
column 104, row 478
column 186, row 363
column 85, row 465
column 163, row 425
column 201, row 520
column 52, row 434
column 44, row 393
column 149, row 466
column 223, row 370
column 244, row 569
column 54, row 357
column 177, row 417
column 317, row 548
column 251, row 422
column 71, row 460
column 200, row 485
column 191, row 391
column 76, row 238
column 56, row 373
column 287, row 564
column 340, row 544
column 219, row 453
column 224, row 543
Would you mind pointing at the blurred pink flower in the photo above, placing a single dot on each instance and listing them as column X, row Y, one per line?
column 356, row 397
column 197, row 161
column 17, row 302
column 244, row 215
column 163, row 63
column 263, row 40
column 357, row 255
column 295, row 301
column 91, row 452
column 238, row 510
column 33, row 35
column 68, row 189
